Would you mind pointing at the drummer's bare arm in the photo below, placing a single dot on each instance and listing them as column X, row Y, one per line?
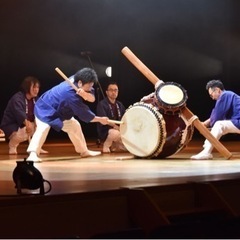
column 87, row 96
column 149, row 96
column 102, row 120
column 206, row 123
column 116, row 127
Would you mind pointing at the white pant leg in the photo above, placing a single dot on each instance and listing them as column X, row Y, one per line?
column 20, row 136
column 113, row 136
column 73, row 128
column 39, row 136
column 17, row 137
column 219, row 129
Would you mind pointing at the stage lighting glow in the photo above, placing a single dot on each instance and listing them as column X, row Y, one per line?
column 109, row 71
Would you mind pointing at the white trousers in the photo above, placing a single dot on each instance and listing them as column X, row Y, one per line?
column 219, row 129
column 72, row 127
column 20, row 136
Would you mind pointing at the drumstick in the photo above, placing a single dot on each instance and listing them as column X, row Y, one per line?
column 185, row 112
column 66, row 79
column 140, row 65
column 115, row 121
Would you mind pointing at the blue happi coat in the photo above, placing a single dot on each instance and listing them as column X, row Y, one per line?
column 227, row 107
column 62, row 103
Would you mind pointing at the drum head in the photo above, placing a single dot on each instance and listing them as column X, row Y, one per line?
column 171, row 94
column 143, row 132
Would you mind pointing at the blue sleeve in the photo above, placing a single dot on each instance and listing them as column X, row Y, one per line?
column 81, row 109
column 222, row 108
column 14, row 114
column 83, row 112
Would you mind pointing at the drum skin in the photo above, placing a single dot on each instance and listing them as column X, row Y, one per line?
column 147, row 133
column 143, row 131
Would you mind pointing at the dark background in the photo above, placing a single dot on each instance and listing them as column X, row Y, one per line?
column 185, row 41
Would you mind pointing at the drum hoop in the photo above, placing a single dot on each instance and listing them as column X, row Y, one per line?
column 172, row 105
column 162, row 127
column 162, row 130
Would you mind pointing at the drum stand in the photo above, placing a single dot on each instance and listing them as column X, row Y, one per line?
column 188, row 115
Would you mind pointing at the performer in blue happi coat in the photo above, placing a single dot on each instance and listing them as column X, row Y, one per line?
column 224, row 118
column 18, row 121
column 57, row 107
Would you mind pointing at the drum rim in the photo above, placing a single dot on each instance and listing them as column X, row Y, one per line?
column 169, row 106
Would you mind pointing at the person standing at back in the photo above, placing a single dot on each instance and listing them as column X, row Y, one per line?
column 113, row 109
column 224, row 118
column 18, row 121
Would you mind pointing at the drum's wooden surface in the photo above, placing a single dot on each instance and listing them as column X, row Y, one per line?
column 178, row 135
column 143, row 132
column 148, row 133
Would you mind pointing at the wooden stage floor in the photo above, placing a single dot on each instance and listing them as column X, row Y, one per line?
column 68, row 173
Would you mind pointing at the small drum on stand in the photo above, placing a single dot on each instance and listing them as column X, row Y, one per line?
column 146, row 133
column 171, row 98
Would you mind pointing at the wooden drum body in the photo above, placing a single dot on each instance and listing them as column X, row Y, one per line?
column 147, row 133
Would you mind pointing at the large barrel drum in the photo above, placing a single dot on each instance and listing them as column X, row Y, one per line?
column 154, row 129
